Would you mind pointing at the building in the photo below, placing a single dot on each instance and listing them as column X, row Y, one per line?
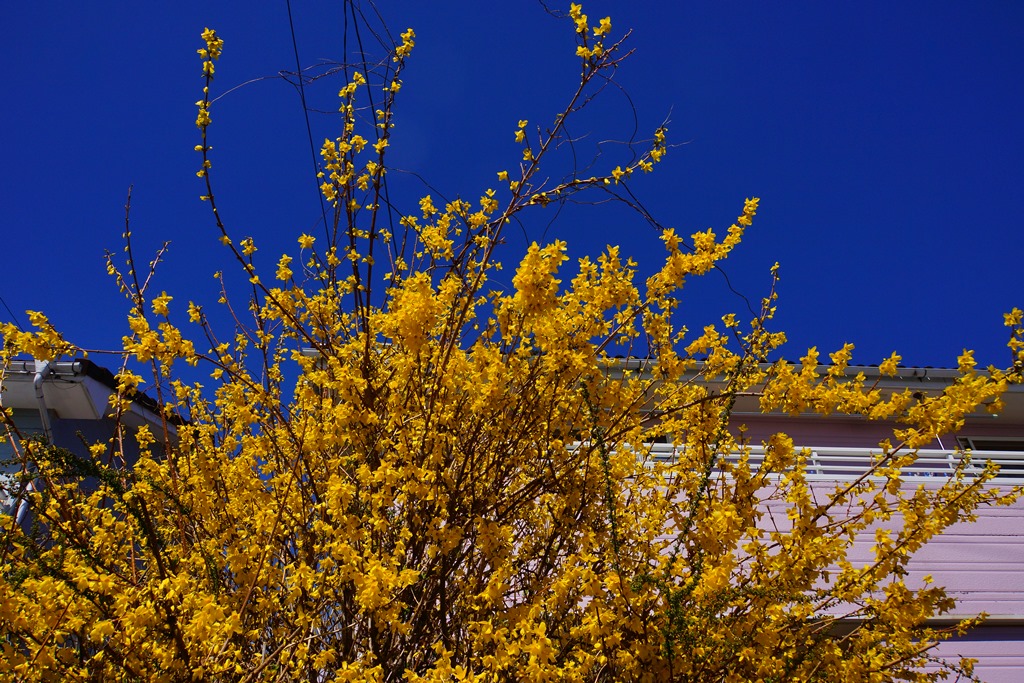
column 67, row 403
column 981, row 563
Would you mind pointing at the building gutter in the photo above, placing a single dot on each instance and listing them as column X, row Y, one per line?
column 43, row 370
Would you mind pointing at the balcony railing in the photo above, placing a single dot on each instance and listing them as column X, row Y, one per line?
column 836, row 464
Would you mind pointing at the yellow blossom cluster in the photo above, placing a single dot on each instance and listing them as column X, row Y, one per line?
column 592, row 49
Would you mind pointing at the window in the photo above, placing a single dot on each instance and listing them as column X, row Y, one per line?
column 1005, row 451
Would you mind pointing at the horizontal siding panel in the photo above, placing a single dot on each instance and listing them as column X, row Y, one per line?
column 969, row 580
column 979, row 552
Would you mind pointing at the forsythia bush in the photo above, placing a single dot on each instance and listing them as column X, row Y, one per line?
column 403, row 474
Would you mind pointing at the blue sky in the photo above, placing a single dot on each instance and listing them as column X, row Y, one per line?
column 884, row 140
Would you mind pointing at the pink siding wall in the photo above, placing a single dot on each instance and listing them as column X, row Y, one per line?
column 981, row 564
column 999, row 650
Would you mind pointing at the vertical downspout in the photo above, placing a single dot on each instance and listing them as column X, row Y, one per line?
column 43, row 370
